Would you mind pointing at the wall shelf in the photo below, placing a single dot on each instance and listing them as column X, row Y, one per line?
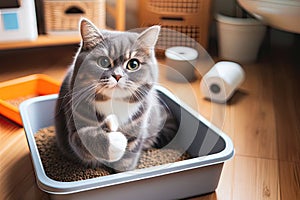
column 117, row 11
column 42, row 40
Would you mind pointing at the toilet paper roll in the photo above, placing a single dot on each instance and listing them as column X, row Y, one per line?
column 220, row 82
column 181, row 63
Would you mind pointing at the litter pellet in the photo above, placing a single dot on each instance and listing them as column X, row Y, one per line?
column 60, row 168
column 17, row 101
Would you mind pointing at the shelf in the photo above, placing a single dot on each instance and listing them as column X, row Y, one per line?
column 117, row 11
column 42, row 40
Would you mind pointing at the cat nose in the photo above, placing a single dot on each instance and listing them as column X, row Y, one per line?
column 117, row 76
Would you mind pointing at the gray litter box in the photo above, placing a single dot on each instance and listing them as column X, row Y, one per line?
column 209, row 147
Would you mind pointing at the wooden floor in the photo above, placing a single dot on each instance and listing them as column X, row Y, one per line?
column 262, row 119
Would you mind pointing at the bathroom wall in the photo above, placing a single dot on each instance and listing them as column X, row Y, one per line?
column 225, row 6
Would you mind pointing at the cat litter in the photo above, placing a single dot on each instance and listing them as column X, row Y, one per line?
column 208, row 147
column 60, row 168
column 17, row 101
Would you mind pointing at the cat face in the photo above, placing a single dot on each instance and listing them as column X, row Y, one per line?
column 119, row 64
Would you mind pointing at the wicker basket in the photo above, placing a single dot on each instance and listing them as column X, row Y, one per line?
column 189, row 17
column 64, row 15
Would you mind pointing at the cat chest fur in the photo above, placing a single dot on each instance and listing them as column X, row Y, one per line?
column 122, row 109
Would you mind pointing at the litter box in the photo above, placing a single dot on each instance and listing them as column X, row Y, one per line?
column 208, row 146
column 14, row 91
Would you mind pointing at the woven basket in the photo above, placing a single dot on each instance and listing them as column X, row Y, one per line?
column 64, row 15
column 187, row 17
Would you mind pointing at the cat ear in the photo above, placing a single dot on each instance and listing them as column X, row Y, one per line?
column 149, row 37
column 90, row 35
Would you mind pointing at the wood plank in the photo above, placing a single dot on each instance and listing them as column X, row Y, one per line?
column 255, row 178
column 117, row 11
column 224, row 190
column 289, row 174
column 286, row 101
column 41, row 41
column 212, row 196
column 120, row 17
column 16, row 171
column 254, row 121
column 247, row 178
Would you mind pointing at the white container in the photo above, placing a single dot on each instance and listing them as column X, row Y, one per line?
column 209, row 147
column 239, row 39
column 18, row 23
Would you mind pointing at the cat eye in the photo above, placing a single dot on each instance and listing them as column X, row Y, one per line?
column 104, row 62
column 133, row 64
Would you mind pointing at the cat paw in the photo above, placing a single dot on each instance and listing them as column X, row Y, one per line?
column 112, row 122
column 117, row 146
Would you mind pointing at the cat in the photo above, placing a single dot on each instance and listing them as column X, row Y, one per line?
column 108, row 110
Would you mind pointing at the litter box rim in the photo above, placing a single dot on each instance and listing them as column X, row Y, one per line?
column 56, row 187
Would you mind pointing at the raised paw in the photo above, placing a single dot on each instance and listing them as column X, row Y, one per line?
column 112, row 122
column 117, row 146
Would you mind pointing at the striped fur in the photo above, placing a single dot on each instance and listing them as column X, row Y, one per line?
column 107, row 115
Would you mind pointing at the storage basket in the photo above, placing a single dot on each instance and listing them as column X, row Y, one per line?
column 189, row 17
column 64, row 15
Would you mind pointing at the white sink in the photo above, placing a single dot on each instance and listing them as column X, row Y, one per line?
column 281, row 14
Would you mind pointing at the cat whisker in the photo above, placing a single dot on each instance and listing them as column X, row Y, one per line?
column 77, row 90
column 84, row 95
column 79, row 95
column 138, row 93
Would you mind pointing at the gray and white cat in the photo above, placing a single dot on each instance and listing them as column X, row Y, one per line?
column 108, row 110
